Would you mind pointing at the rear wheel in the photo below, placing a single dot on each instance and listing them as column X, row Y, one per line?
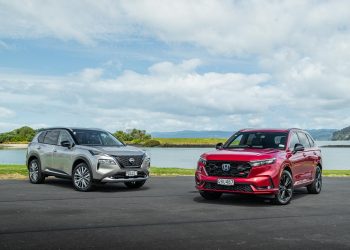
column 35, row 174
column 285, row 191
column 316, row 186
column 210, row 195
column 134, row 184
column 82, row 177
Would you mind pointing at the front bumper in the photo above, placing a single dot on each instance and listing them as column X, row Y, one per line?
column 120, row 176
column 255, row 185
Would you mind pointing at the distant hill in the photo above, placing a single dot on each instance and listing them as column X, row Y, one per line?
column 317, row 134
column 342, row 135
column 321, row 134
column 23, row 134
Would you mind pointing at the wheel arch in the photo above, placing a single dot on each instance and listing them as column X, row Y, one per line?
column 78, row 161
column 32, row 157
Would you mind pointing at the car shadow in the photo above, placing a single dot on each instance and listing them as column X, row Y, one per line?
column 103, row 188
column 248, row 200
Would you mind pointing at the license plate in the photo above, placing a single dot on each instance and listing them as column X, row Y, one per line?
column 226, row 182
column 131, row 173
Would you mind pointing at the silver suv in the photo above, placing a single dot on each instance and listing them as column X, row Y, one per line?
column 86, row 156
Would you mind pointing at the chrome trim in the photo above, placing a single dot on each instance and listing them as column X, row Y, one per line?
column 54, row 172
column 108, row 179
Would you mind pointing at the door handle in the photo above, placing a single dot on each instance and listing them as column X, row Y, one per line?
column 55, row 150
column 304, row 154
column 315, row 153
column 38, row 147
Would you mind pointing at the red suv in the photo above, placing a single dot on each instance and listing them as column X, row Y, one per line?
column 262, row 162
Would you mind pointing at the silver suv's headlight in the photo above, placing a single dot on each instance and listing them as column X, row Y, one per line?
column 262, row 162
column 146, row 157
column 107, row 162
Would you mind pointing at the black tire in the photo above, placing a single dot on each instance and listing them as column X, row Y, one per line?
column 82, row 177
column 34, row 172
column 285, row 191
column 210, row 195
column 134, row 184
column 316, row 186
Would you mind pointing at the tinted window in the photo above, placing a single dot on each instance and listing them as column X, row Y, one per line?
column 311, row 141
column 64, row 136
column 257, row 140
column 303, row 139
column 293, row 140
column 41, row 137
column 51, row 137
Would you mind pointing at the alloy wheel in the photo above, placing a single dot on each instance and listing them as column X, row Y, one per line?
column 285, row 191
column 34, row 171
column 318, row 180
column 82, row 177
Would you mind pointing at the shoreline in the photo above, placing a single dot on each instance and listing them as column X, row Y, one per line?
column 24, row 146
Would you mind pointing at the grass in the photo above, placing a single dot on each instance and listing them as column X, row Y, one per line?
column 20, row 171
column 189, row 141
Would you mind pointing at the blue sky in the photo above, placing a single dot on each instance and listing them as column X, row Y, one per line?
column 167, row 66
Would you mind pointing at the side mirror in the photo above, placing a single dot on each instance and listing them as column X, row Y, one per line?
column 66, row 144
column 298, row 147
column 219, row 145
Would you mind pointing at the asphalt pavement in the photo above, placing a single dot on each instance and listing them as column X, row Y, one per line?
column 168, row 213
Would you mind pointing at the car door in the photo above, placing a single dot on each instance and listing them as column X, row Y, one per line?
column 296, row 158
column 47, row 148
column 63, row 156
column 308, row 159
column 314, row 154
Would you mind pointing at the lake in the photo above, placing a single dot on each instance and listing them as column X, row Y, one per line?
column 333, row 158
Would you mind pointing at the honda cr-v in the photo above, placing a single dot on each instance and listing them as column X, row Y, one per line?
column 263, row 162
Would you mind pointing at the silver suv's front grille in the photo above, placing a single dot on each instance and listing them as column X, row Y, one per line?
column 129, row 160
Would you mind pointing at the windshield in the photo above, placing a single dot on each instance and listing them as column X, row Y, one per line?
column 261, row 140
column 95, row 138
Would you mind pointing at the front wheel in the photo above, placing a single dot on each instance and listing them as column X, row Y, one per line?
column 316, row 186
column 35, row 174
column 82, row 177
column 134, row 184
column 285, row 191
column 210, row 195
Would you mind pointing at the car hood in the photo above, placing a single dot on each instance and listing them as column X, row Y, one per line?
column 241, row 154
column 116, row 150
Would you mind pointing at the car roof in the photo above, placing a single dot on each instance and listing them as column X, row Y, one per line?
column 281, row 130
column 71, row 128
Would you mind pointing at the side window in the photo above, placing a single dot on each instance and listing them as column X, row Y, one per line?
column 51, row 137
column 303, row 140
column 294, row 139
column 41, row 137
column 64, row 136
column 312, row 142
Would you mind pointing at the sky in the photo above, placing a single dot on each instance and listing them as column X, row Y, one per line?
column 174, row 65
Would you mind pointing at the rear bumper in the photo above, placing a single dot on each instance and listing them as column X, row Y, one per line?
column 255, row 185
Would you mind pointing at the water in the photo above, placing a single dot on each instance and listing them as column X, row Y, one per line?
column 333, row 158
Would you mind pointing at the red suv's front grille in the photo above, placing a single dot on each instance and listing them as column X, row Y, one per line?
column 228, row 168
column 236, row 187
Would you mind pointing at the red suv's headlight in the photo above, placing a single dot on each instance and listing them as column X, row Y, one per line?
column 262, row 162
column 201, row 163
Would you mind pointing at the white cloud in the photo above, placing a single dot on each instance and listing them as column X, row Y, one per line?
column 303, row 48
column 172, row 97
column 5, row 112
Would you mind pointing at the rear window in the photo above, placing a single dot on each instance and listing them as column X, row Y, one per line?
column 51, row 137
